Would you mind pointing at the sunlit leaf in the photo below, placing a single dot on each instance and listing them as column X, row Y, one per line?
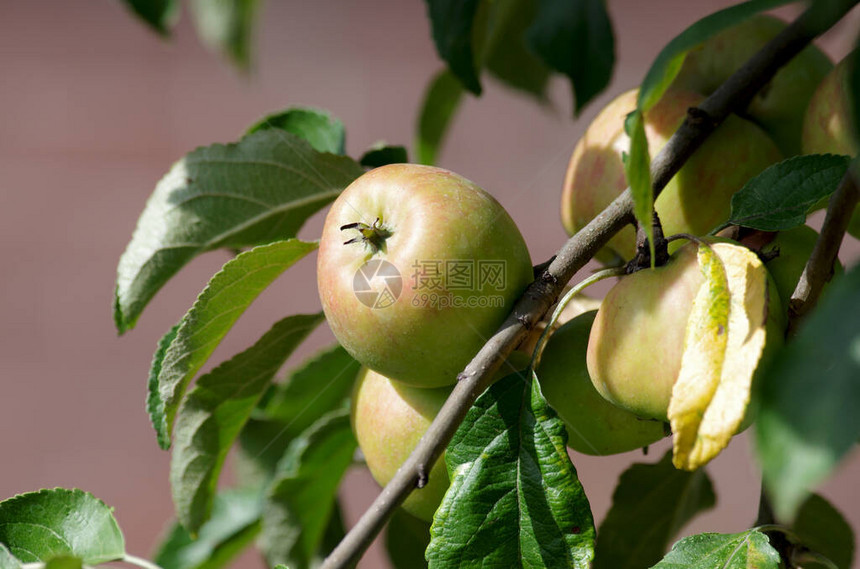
column 723, row 343
column 324, row 132
column 226, row 26
column 747, row 550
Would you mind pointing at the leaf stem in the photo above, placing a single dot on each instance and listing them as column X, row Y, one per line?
column 139, row 561
column 734, row 94
column 562, row 304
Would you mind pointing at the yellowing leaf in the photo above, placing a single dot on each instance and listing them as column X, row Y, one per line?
column 723, row 343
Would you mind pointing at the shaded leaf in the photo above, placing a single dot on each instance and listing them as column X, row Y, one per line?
column 514, row 499
column 668, row 62
column 782, row 196
column 810, row 403
column 322, row 384
column 406, row 538
column 637, row 170
column 506, row 54
column 161, row 15
column 154, row 404
column 226, row 26
column 302, row 498
column 234, row 524
column 40, row 525
column 381, row 154
column 441, row 101
column 723, row 343
column 575, row 37
column 259, row 190
column 747, row 550
column 324, row 132
column 650, row 505
column 452, row 22
column 214, row 312
column 824, row 530
column 215, row 411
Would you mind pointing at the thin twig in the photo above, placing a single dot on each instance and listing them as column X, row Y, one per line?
column 819, row 267
column 734, row 94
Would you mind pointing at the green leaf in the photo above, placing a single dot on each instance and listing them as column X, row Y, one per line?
column 747, row 550
column 7, row 560
column 324, row 132
column 39, row 525
column 216, row 410
column 381, row 154
column 651, row 504
column 441, row 101
column 854, row 94
column 234, row 524
column 154, row 404
column 506, row 54
column 321, row 385
column 301, row 500
column 161, row 15
column 226, row 26
column 822, row 529
column 452, row 22
column 64, row 562
column 668, row 62
column 637, row 170
column 514, row 499
column 781, row 197
column 214, row 312
column 259, row 190
column 810, row 402
column 575, row 37
column 406, row 538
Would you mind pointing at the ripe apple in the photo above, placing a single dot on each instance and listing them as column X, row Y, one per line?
column 694, row 201
column 827, row 127
column 794, row 246
column 389, row 418
column 637, row 339
column 594, row 425
column 417, row 267
column 779, row 107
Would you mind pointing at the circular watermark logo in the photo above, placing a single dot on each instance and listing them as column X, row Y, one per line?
column 377, row 284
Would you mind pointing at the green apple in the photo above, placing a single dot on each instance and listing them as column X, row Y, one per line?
column 794, row 246
column 594, row 425
column 417, row 267
column 695, row 200
column 390, row 417
column 637, row 339
column 827, row 128
column 779, row 107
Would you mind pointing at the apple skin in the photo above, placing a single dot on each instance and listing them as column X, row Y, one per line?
column 637, row 339
column 430, row 215
column 388, row 419
column 827, row 127
column 827, row 124
column 779, row 107
column 795, row 246
column 695, row 200
column 594, row 425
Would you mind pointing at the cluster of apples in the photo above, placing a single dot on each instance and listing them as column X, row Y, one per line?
column 418, row 266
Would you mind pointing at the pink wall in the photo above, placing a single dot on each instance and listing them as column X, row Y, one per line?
column 94, row 109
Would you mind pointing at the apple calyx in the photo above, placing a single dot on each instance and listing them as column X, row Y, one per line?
column 373, row 235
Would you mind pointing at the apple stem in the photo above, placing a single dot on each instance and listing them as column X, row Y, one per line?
column 373, row 235
column 642, row 259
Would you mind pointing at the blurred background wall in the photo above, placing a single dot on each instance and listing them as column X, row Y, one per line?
column 93, row 110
